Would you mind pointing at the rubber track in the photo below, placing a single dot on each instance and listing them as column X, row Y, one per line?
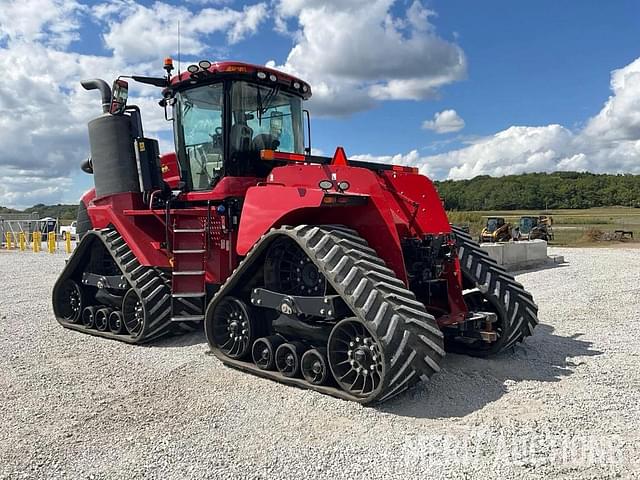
column 409, row 336
column 497, row 285
column 148, row 282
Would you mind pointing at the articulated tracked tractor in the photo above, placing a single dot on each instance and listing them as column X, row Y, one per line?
column 336, row 275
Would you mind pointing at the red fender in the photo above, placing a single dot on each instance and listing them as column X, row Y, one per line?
column 266, row 205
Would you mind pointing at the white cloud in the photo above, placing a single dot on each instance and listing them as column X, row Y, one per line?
column 44, row 110
column 619, row 119
column 511, row 151
column 137, row 32
column 356, row 52
column 446, row 121
column 610, row 142
column 410, row 159
column 52, row 22
column 15, row 190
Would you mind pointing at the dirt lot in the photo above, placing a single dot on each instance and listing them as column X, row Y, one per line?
column 565, row 404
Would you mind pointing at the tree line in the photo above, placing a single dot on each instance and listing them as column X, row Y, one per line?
column 528, row 191
column 61, row 211
column 531, row 191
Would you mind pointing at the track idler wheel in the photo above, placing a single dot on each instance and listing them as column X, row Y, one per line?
column 288, row 358
column 116, row 322
column 355, row 358
column 133, row 313
column 264, row 351
column 314, row 367
column 89, row 316
column 69, row 302
column 234, row 329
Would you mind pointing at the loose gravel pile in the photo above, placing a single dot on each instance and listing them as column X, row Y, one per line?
column 565, row 404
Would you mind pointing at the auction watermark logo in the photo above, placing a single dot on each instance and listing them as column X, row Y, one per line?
column 528, row 449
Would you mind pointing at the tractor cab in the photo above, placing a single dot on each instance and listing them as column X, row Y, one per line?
column 225, row 114
column 527, row 224
column 494, row 223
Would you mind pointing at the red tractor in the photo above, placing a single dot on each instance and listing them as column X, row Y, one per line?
column 340, row 276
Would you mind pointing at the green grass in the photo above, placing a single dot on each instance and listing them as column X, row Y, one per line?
column 571, row 227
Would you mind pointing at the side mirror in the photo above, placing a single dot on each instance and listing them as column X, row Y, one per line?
column 166, row 103
column 119, row 97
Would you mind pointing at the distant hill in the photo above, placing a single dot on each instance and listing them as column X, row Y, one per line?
column 532, row 191
column 61, row 211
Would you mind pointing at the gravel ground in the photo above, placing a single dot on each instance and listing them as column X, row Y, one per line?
column 566, row 404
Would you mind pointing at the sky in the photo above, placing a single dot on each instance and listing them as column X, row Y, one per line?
column 456, row 88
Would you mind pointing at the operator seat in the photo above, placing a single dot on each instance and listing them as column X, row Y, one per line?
column 265, row 141
column 240, row 138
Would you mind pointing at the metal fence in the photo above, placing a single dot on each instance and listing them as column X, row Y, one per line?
column 26, row 232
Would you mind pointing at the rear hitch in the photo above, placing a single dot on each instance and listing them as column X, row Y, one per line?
column 478, row 325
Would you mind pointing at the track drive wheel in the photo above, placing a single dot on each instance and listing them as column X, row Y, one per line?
column 288, row 269
column 69, row 301
column 356, row 360
column 234, row 329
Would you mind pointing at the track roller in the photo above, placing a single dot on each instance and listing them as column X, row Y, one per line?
column 314, row 367
column 288, row 358
column 264, row 351
column 102, row 319
column 89, row 316
column 233, row 328
column 116, row 322
column 68, row 300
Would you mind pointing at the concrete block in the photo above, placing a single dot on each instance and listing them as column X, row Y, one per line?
column 514, row 254
column 556, row 258
column 494, row 250
column 536, row 250
column 518, row 255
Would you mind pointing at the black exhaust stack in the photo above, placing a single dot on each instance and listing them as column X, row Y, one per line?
column 122, row 160
column 105, row 91
column 111, row 139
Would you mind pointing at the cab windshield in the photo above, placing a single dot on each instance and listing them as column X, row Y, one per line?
column 527, row 224
column 261, row 117
column 493, row 224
